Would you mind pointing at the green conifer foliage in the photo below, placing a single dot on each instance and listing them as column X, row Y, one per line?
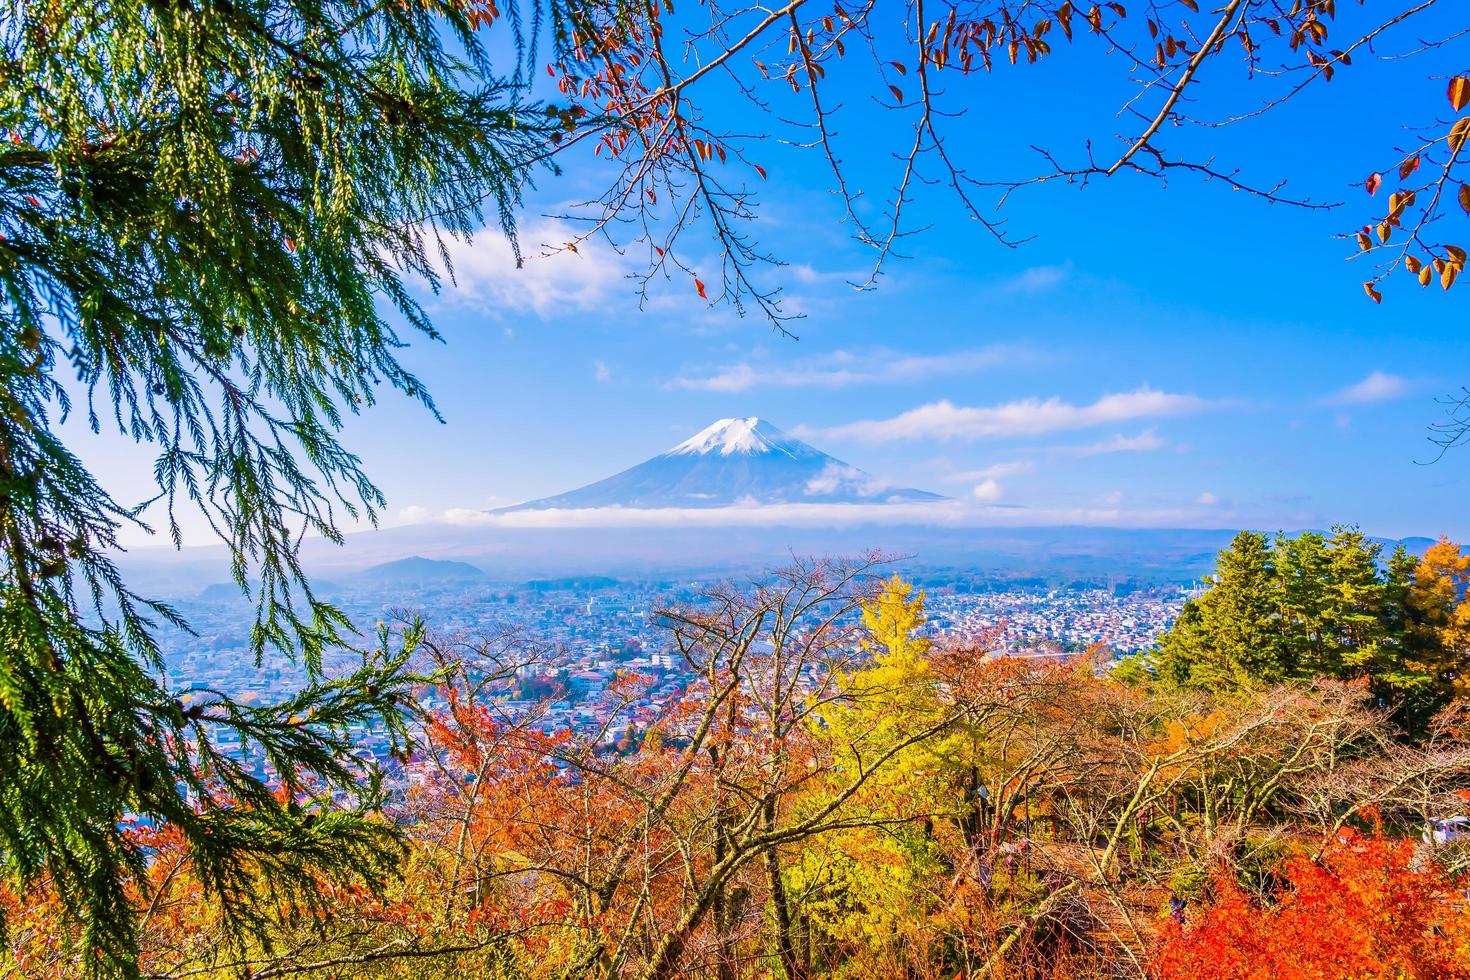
column 1230, row 637
column 1313, row 605
column 207, row 208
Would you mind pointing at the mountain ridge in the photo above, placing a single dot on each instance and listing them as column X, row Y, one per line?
column 732, row 462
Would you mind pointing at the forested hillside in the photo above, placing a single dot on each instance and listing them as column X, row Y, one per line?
column 838, row 797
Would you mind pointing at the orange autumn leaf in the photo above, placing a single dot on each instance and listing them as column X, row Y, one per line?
column 1459, row 92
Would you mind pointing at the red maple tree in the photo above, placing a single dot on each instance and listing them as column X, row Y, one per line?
column 1366, row 908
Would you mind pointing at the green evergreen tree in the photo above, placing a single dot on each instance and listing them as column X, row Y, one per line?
column 1317, row 606
column 1332, row 596
column 206, row 211
column 1231, row 637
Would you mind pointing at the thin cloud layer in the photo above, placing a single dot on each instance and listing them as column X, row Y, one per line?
column 1378, row 386
column 1145, row 442
column 842, row 369
column 944, row 420
column 1038, row 279
column 982, row 510
column 994, row 471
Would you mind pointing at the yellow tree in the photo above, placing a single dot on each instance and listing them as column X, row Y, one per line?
column 1438, row 643
column 859, row 894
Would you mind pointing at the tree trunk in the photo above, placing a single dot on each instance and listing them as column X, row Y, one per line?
column 791, row 965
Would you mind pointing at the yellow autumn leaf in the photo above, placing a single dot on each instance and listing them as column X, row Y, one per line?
column 1459, row 133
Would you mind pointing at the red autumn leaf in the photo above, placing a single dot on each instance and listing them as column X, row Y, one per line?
column 760, row 170
column 1374, row 182
column 700, row 286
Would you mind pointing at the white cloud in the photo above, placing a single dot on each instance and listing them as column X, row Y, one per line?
column 1038, row 279
column 1378, row 386
column 1207, row 499
column 843, row 368
column 1112, row 499
column 808, row 275
column 837, row 477
column 485, row 274
column 1030, row 416
column 992, row 472
column 414, row 514
column 988, row 491
column 1144, row 442
column 601, row 372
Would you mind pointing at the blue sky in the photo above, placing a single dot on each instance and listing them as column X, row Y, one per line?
column 1180, row 356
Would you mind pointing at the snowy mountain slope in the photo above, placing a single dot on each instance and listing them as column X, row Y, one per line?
column 733, row 461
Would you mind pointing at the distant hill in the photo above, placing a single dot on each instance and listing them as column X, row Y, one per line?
column 222, row 592
column 419, row 571
column 522, row 554
column 230, row 592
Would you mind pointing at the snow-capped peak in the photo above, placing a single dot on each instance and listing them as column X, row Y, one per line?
column 733, row 463
column 730, row 437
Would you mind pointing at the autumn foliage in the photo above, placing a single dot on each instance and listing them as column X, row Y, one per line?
column 836, row 794
column 1366, row 908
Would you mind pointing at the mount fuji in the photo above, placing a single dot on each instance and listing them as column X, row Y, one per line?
column 734, row 461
